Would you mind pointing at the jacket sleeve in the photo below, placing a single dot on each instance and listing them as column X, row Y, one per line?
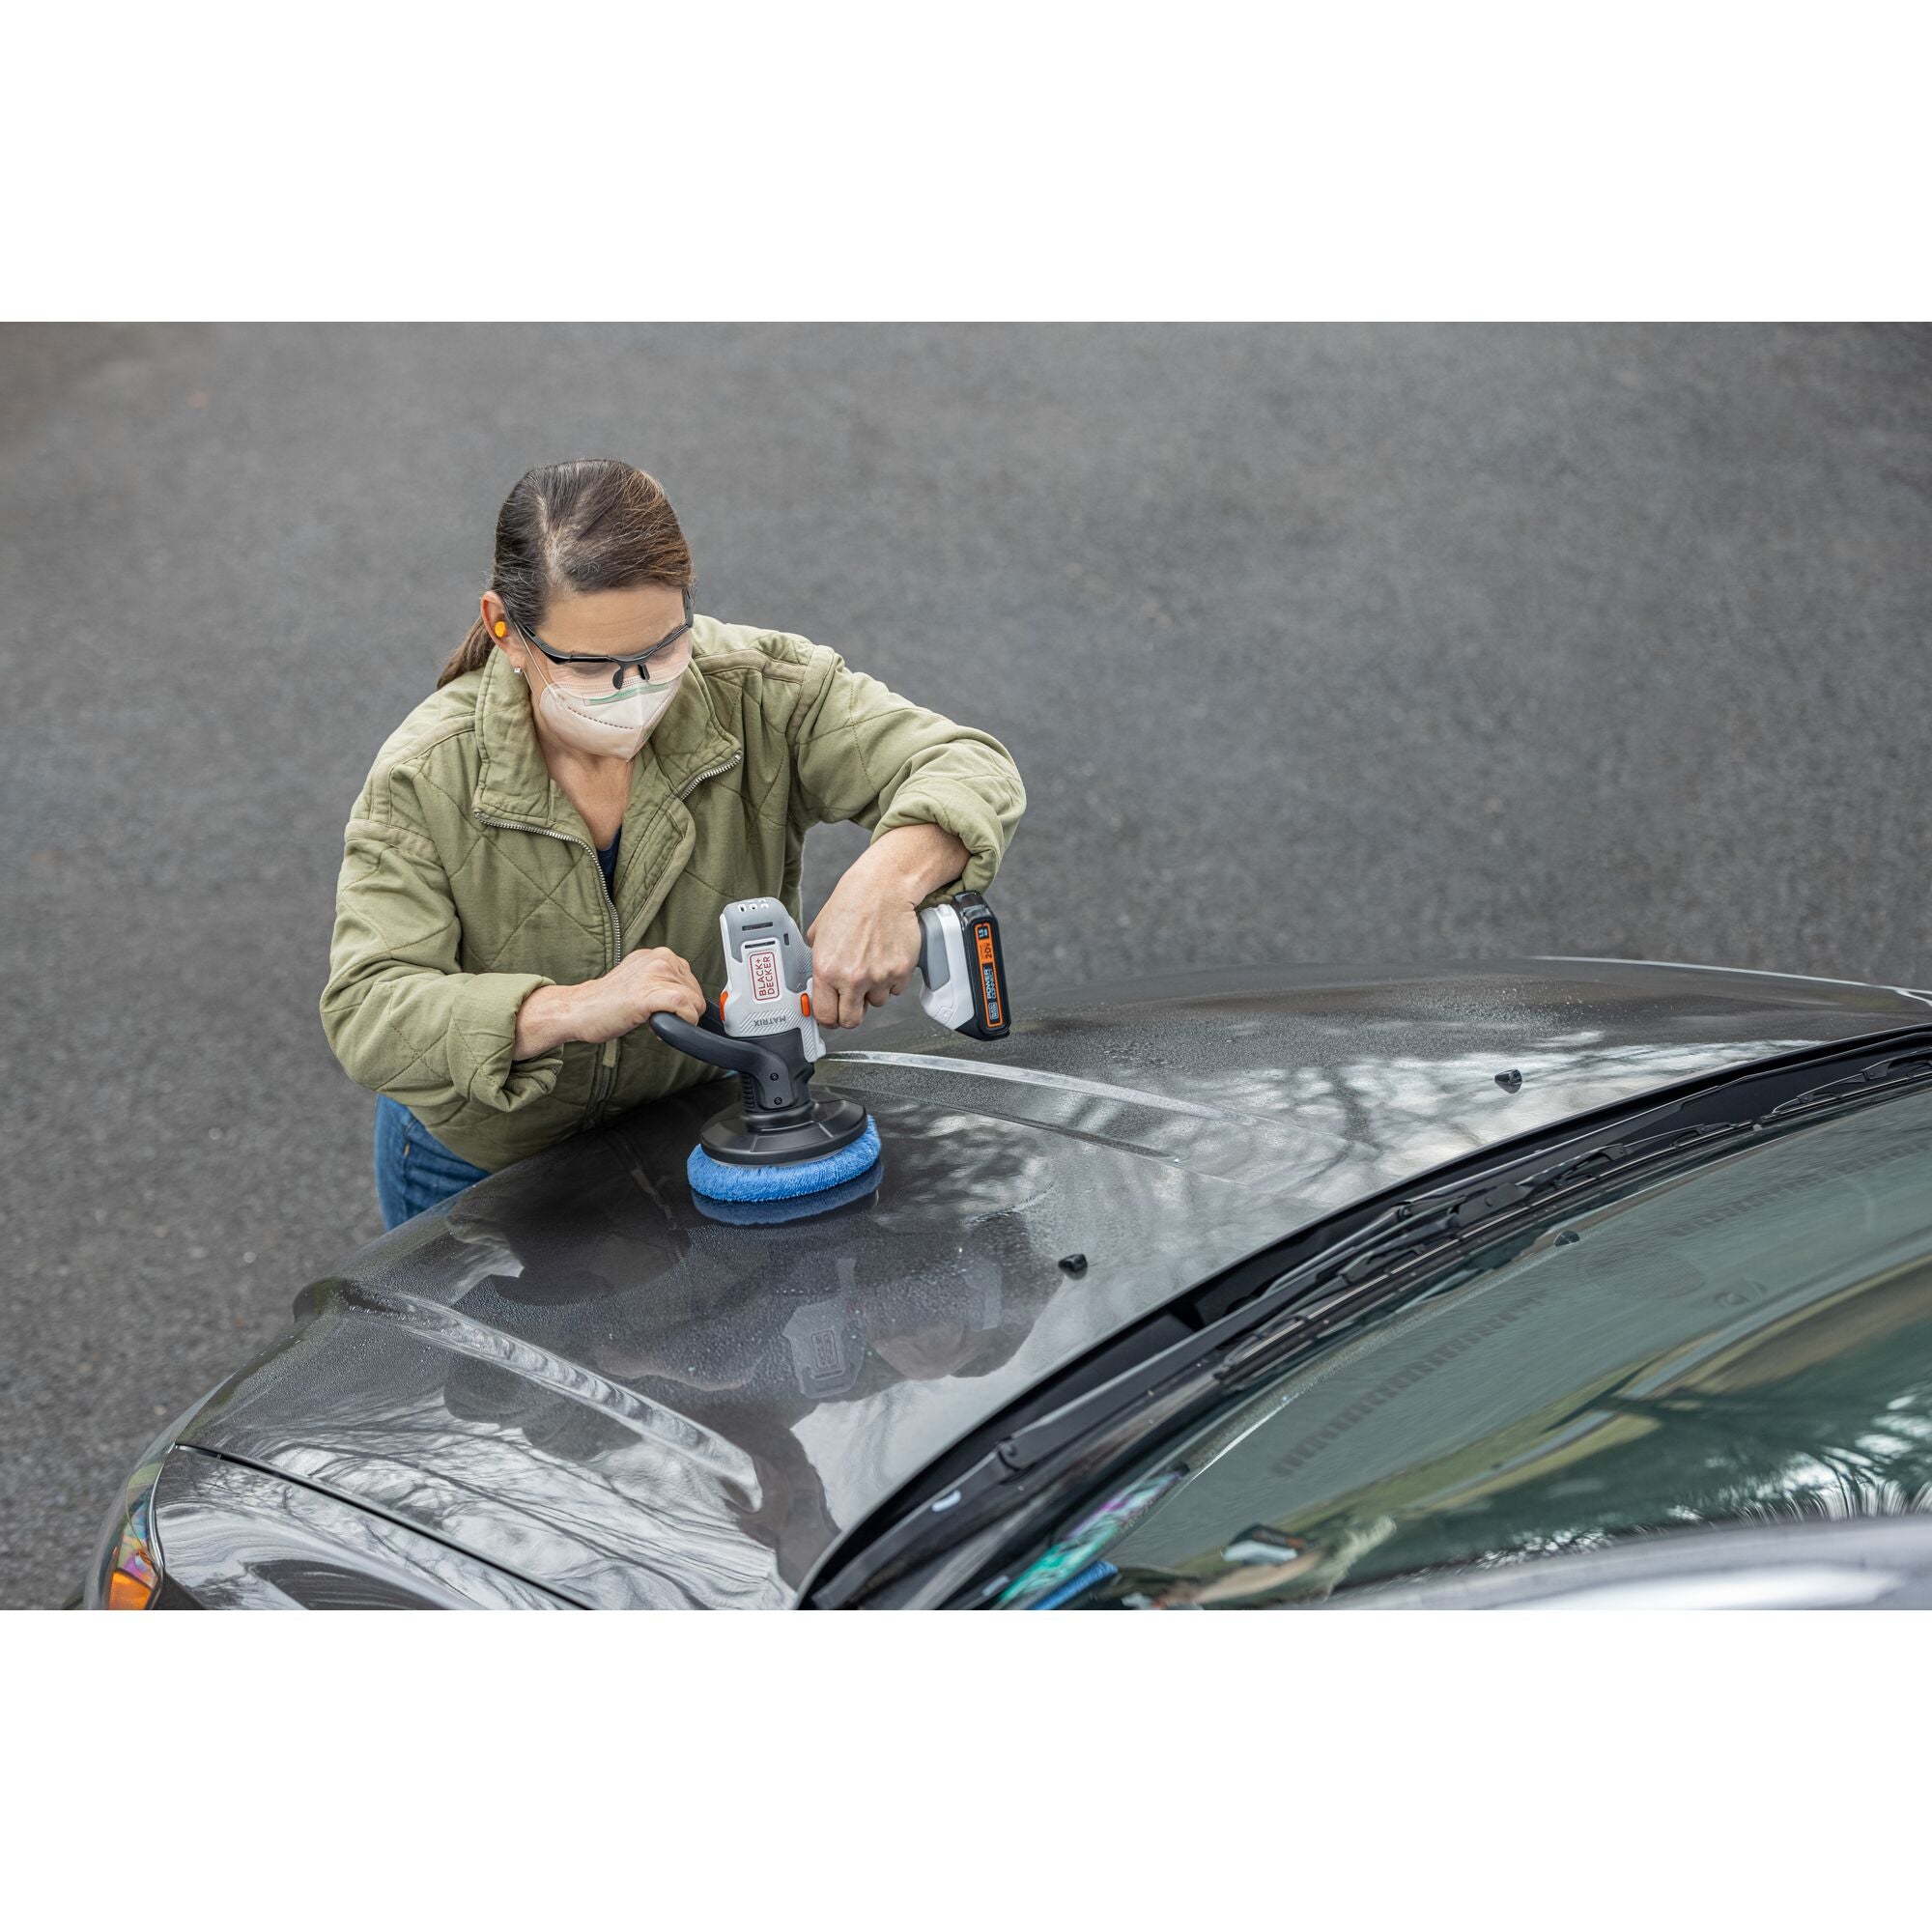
column 861, row 752
column 400, row 1015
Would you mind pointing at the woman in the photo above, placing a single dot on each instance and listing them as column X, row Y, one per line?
column 538, row 858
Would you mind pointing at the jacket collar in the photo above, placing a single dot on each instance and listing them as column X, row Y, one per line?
column 513, row 781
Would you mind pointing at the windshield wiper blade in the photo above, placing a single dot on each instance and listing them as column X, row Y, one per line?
column 1394, row 1242
column 1387, row 1250
column 1879, row 1073
column 1426, row 1216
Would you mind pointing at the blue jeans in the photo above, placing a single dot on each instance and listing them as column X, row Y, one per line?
column 413, row 1170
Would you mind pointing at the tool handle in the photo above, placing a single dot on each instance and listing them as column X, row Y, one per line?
column 709, row 1043
column 774, row 1083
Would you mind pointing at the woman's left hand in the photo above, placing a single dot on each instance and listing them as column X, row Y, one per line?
column 864, row 946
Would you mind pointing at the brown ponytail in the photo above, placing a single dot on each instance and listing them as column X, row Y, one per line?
column 597, row 525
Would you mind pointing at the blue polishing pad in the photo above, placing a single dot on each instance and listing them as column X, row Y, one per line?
column 782, row 1180
column 802, row 1208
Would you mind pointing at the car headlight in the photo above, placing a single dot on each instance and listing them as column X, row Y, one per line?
column 127, row 1576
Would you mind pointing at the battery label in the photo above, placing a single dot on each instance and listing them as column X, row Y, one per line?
column 764, row 965
column 989, row 979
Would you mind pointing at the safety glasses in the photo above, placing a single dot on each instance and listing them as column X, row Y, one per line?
column 658, row 665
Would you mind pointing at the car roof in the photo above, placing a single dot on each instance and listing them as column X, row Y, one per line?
column 575, row 1372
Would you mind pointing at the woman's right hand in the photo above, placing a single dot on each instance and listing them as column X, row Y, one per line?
column 653, row 980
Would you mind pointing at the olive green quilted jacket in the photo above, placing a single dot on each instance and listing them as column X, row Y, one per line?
column 468, row 879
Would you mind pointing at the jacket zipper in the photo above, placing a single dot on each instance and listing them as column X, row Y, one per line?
column 709, row 772
column 606, row 1058
column 605, row 1073
column 606, row 1061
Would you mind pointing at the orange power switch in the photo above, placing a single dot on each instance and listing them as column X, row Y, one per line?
column 805, row 1004
column 722, row 998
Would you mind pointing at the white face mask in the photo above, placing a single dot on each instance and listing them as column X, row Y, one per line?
column 613, row 725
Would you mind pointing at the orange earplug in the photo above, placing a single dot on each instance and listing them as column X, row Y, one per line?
column 502, row 629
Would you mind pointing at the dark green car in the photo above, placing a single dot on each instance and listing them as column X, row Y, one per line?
column 1546, row 1281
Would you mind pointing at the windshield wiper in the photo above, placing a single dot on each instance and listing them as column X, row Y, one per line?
column 1428, row 1217
column 1437, row 1222
column 1389, row 1250
column 1879, row 1073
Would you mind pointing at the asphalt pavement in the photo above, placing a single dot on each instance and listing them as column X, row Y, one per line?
column 1312, row 644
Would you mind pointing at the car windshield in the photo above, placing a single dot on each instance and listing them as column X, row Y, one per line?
column 1747, row 1339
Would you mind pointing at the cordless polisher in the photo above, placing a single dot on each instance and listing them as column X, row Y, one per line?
column 778, row 1140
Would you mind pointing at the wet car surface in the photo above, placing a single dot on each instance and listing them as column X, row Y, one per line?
column 576, row 1382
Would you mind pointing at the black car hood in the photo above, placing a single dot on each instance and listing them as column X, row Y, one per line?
column 575, row 1373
